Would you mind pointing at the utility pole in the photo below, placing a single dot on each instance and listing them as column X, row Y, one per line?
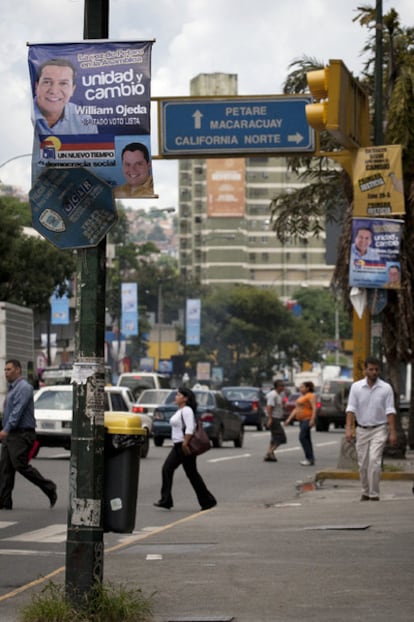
column 84, row 549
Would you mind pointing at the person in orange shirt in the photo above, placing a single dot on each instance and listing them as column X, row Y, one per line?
column 305, row 413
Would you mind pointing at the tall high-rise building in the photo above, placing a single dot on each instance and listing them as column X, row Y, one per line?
column 225, row 235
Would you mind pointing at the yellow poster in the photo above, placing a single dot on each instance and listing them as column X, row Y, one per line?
column 378, row 181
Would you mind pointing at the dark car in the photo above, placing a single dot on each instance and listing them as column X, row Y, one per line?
column 219, row 420
column 249, row 402
column 332, row 399
column 289, row 403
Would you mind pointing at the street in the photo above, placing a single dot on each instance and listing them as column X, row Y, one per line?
column 32, row 537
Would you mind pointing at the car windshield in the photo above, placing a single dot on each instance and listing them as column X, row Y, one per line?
column 241, row 394
column 150, row 396
column 54, row 400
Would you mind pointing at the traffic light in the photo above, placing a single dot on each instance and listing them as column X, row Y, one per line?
column 342, row 109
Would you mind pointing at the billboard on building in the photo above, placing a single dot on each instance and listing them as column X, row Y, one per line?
column 226, row 187
column 91, row 108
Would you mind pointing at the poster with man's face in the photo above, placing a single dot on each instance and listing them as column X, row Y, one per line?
column 375, row 253
column 91, row 108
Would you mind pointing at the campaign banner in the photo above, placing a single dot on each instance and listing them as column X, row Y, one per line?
column 193, row 322
column 375, row 253
column 91, row 108
column 129, row 309
column 59, row 309
column 378, row 181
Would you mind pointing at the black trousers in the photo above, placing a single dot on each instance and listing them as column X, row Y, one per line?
column 175, row 458
column 14, row 457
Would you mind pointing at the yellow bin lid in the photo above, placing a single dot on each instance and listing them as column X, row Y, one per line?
column 123, row 423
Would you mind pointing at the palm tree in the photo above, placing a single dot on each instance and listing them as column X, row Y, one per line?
column 304, row 212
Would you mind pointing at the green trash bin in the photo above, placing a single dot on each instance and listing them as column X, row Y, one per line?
column 124, row 437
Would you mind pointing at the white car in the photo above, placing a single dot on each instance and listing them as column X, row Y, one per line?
column 150, row 399
column 54, row 413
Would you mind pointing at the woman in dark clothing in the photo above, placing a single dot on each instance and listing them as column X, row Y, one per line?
column 183, row 424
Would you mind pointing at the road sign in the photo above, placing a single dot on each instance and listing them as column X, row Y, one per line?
column 242, row 126
column 72, row 208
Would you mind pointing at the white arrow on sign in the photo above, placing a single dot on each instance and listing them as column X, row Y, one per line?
column 295, row 138
column 197, row 115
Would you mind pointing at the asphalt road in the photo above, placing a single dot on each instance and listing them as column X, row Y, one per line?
column 33, row 537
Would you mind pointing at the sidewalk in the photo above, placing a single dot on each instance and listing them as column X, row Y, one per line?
column 321, row 555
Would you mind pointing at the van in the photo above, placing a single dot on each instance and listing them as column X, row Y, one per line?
column 139, row 381
column 333, row 398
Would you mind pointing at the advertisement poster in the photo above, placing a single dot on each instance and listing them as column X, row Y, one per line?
column 375, row 253
column 129, row 308
column 91, row 108
column 226, row 187
column 378, row 182
column 193, row 322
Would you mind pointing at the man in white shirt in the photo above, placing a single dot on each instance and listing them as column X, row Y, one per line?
column 274, row 410
column 371, row 408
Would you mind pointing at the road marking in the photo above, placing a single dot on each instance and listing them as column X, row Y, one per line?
column 230, row 458
column 152, row 557
column 29, row 552
column 7, row 523
column 52, row 533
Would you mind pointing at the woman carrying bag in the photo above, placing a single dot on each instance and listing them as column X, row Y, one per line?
column 183, row 425
column 305, row 413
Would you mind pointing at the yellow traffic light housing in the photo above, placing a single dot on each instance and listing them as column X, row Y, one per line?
column 342, row 109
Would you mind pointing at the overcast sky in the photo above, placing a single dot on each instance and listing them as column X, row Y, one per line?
column 254, row 39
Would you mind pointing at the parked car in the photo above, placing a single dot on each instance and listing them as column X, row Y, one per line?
column 332, row 399
column 219, row 420
column 54, row 414
column 149, row 399
column 139, row 381
column 249, row 402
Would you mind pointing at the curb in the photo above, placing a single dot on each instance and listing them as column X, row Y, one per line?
column 405, row 476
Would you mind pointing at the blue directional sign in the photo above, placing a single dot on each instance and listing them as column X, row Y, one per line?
column 235, row 126
column 72, row 207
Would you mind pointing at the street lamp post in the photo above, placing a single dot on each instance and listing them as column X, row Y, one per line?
column 160, row 321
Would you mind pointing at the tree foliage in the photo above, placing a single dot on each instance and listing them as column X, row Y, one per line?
column 30, row 268
column 250, row 333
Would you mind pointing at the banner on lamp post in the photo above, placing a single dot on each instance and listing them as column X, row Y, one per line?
column 91, row 108
column 129, row 308
column 193, row 322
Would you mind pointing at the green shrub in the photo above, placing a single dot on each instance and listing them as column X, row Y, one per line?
column 104, row 603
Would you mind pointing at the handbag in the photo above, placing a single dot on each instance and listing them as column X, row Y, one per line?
column 199, row 442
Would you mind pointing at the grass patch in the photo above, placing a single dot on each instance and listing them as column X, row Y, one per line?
column 392, row 468
column 105, row 603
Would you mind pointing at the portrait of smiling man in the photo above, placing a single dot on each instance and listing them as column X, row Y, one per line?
column 53, row 112
column 136, row 167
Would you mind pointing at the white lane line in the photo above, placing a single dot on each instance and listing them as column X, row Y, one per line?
column 29, row 552
column 230, row 458
column 52, row 533
column 153, row 557
column 7, row 523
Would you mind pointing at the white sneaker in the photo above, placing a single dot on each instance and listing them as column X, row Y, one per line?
column 306, row 463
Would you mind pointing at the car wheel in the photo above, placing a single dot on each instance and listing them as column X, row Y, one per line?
column 238, row 442
column 322, row 426
column 158, row 441
column 218, row 440
column 145, row 446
